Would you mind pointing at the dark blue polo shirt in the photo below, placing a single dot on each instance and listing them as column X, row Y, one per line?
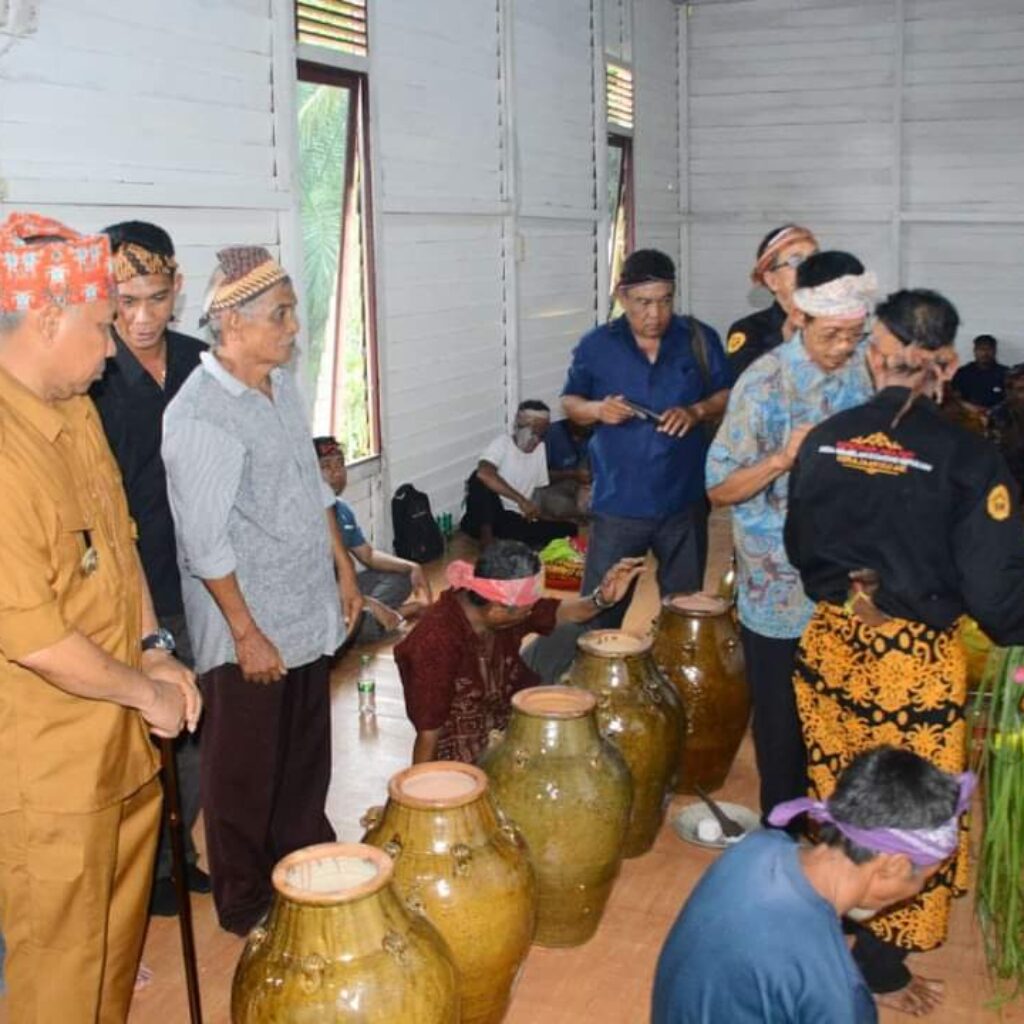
column 638, row 472
column 563, row 450
column 981, row 385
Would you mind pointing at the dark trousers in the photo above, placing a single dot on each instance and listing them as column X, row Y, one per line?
column 265, row 764
column 679, row 543
column 186, row 757
column 484, row 508
column 882, row 964
column 391, row 589
column 778, row 740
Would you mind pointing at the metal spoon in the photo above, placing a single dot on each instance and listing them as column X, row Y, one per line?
column 730, row 827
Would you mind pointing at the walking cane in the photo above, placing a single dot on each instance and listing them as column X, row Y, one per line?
column 179, row 872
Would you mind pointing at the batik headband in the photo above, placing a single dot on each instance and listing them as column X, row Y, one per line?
column 923, row 846
column 134, row 260
column 844, row 298
column 519, row 593
column 784, row 236
column 248, row 271
column 69, row 270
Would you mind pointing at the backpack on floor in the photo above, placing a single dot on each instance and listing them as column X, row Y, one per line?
column 417, row 535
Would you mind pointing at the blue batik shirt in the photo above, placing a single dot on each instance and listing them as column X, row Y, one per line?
column 781, row 390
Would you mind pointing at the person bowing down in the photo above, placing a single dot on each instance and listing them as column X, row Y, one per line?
column 461, row 664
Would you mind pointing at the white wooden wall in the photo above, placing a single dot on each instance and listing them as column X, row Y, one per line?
column 894, row 128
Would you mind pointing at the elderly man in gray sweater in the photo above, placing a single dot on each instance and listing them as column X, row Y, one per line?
column 258, row 549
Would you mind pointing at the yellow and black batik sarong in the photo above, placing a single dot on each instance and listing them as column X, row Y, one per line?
column 900, row 683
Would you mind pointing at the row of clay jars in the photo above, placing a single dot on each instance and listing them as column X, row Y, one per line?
column 340, row 945
column 642, row 715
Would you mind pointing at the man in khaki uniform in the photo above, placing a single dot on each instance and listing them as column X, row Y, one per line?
column 83, row 676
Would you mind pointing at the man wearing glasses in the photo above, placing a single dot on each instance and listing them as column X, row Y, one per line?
column 818, row 372
column 781, row 251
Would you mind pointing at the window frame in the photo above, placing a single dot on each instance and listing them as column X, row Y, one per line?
column 358, row 189
column 626, row 201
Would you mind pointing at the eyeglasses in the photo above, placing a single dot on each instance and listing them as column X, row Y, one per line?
column 793, row 260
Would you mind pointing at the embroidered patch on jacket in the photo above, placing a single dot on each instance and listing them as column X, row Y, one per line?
column 998, row 503
column 875, row 453
column 736, row 341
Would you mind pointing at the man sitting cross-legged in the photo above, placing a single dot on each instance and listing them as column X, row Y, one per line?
column 394, row 589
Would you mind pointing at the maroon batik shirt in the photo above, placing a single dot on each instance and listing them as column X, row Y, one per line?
column 452, row 684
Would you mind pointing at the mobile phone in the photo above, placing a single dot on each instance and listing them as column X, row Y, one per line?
column 642, row 411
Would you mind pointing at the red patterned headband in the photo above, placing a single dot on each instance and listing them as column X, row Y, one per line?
column 519, row 593
column 68, row 271
column 786, row 236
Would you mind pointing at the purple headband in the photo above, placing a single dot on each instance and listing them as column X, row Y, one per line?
column 924, row 846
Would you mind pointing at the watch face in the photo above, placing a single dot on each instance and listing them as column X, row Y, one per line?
column 161, row 640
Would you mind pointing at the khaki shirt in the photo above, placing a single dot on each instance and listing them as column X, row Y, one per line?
column 60, row 495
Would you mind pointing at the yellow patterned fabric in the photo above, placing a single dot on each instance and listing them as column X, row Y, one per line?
column 901, row 683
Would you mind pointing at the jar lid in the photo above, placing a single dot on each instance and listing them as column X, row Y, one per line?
column 699, row 603
column 332, row 873
column 437, row 784
column 554, row 702
column 613, row 643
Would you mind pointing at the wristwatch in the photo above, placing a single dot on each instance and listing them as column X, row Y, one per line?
column 160, row 640
column 598, row 601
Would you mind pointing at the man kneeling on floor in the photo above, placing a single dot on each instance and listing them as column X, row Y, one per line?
column 760, row 937
column 394, row 589
column 500, row 493
column 461, row 664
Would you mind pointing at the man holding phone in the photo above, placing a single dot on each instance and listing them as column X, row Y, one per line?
column 647, row 382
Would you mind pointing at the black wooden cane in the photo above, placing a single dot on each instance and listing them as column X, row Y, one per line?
column 179, row 872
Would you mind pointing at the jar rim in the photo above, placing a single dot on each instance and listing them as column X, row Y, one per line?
column 411, row 786
column 559, row 702
column 614, row 643
column 713, row 605
column 285, row 877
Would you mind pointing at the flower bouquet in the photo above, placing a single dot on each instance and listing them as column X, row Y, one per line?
column 997, row 754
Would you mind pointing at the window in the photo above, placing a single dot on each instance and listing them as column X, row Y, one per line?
column 619, row 106
column 335, row 214
column 620, row 204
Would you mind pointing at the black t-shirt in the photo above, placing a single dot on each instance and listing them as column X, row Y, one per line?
column 927, row 505
column 984, row 386
column 131, row 405
column 754, row 335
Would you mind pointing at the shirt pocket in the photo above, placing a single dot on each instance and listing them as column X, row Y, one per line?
column 85, row 571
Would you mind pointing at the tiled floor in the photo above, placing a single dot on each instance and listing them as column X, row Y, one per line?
column 608, row 980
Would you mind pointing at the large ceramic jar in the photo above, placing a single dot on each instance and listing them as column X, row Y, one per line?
column 641, row 714
column 569, row 791
column 467, row 870
column 697, row 647
column 339, row 946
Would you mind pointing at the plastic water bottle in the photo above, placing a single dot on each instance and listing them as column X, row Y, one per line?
column 367, row 688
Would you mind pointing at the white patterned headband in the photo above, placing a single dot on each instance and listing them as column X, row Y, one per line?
column 846, row 298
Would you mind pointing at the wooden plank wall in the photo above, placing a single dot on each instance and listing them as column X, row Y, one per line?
column 895, row 128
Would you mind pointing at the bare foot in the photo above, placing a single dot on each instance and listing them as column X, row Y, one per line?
column 918, row 998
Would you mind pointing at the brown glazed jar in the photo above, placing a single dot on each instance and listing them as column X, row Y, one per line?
column 641, row 714
column 697, row 647
column 467, row 870
column 339, row 946
column 569, row 791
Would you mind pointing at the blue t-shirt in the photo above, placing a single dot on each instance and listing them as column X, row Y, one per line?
column 756, row 944
column 350, row 532
column 638, row 472
column 564, row 450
